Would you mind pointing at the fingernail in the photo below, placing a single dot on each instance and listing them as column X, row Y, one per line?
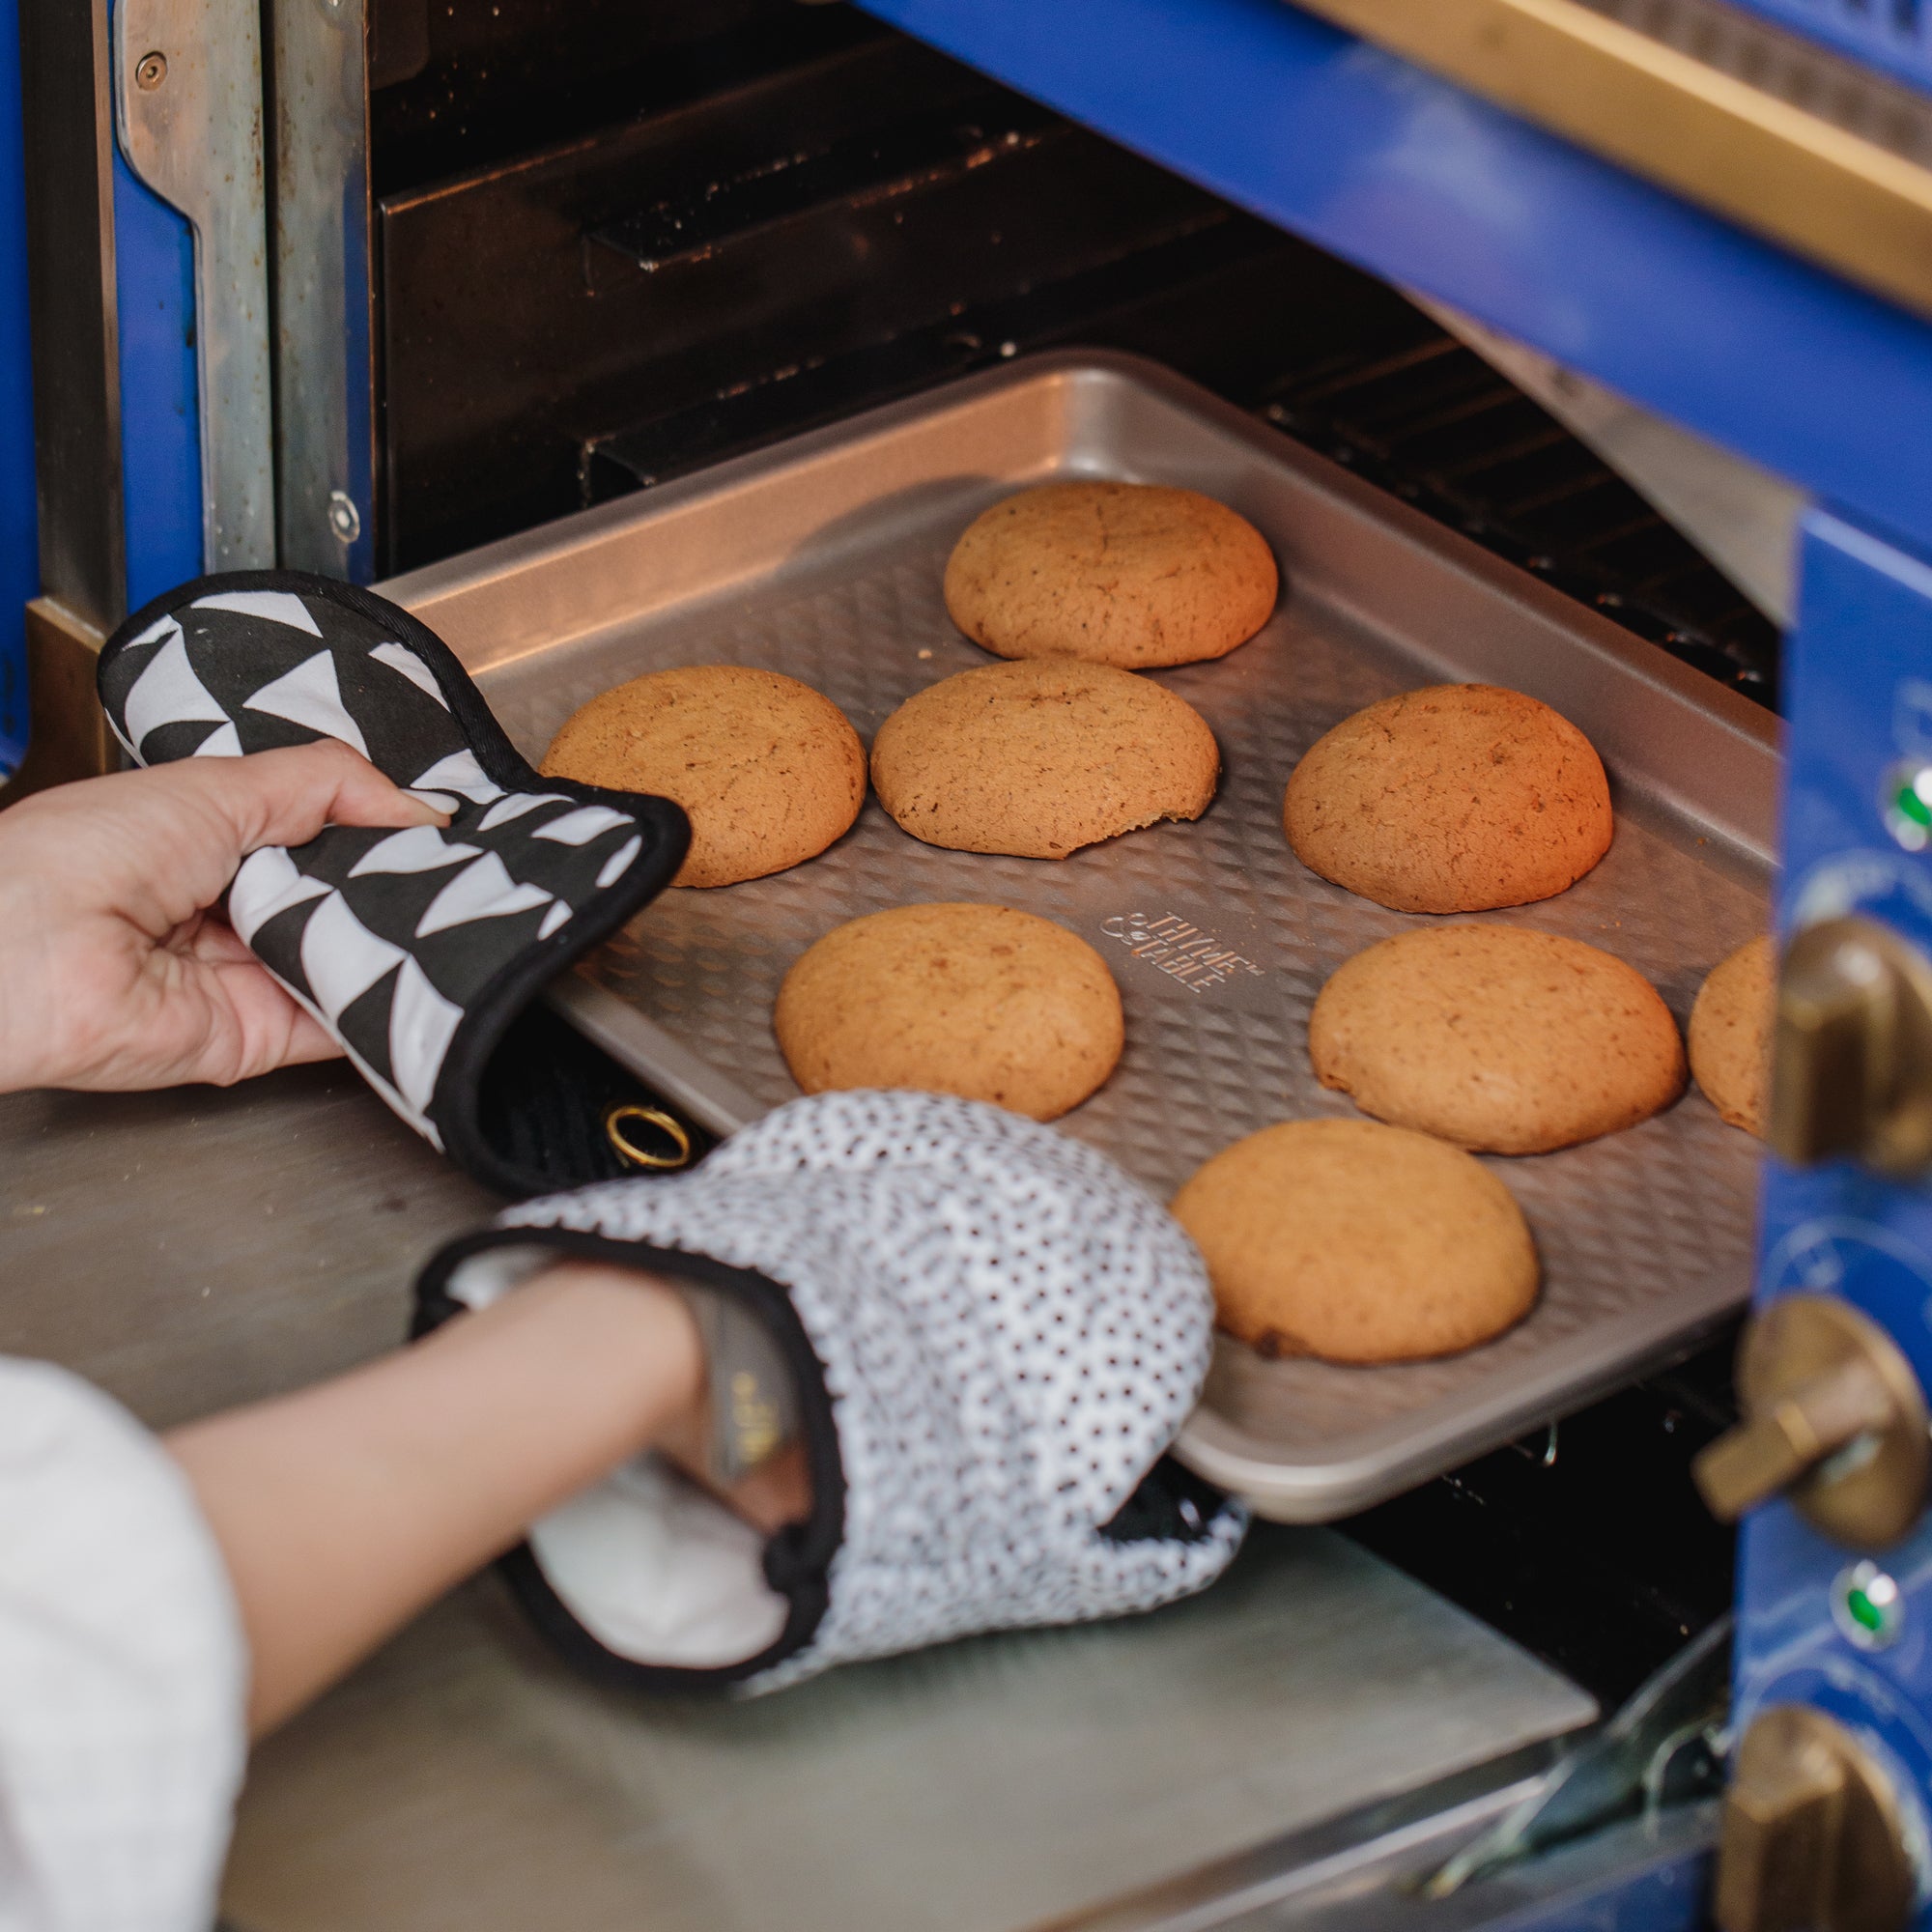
column 432, row 814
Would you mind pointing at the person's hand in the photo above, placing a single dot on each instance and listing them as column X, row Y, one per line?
column 115, row 971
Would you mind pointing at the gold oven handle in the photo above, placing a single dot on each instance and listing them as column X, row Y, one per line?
column 1842, row 201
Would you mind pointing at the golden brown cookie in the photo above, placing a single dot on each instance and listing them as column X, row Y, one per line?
column 1358, row 1243
column 977, row 999
column 1041, row 759
column 1456, row 798
column 1126, row 573
column 1496, row 1038
column 768, row 771
column 1730, row 1034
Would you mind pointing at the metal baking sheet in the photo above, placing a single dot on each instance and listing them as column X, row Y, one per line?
column 822, row 557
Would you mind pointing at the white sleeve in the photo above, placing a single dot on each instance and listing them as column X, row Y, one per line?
column 123, row 1672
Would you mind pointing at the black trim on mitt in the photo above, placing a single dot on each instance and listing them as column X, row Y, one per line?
column 1170, row 1504
column 545, row 1136
column 797, row 1559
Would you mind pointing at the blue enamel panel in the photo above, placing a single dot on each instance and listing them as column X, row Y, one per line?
column 19, row 569
column 1859, row 692
column 160, row 428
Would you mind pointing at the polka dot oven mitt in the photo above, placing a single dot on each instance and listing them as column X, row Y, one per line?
column 996, row 1335
column 422, row 950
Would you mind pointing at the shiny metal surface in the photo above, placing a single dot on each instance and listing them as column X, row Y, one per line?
column 1743, row 518
column 1796, row 64
column 194, row 1249
column 67, row 125
column 465, row 1780
column 1383, row 1852
column 319, row 227
column 188, row 106
column 1364, row 1872
column 1638, row 98
column 714, row 1100
column 1664, row 1748
column 823, row 558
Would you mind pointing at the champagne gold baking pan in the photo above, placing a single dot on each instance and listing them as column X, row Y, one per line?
column 822, row 558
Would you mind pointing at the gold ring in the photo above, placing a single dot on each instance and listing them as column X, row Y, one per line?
column 669, row 1124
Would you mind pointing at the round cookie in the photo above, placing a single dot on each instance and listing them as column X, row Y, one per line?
column 977, row 999
column 1496, row 1038
column 1358, row 1243
column 1730, row 1034
column 1040, row 758
column 768, row 771
column 1456, row 798
column 1134, row 575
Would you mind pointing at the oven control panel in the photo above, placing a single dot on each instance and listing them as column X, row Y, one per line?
column 1829, row 1818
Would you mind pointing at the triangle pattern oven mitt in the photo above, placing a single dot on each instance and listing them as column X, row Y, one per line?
column 422, row 950
column 994, row 1337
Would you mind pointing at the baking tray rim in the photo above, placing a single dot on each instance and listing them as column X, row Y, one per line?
column 1308, row 1488
column 1312, row 1489
column 423, row 589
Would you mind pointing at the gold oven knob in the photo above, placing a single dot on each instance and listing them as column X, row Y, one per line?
column 1811, row 1839
column 1852, row 1052
column 1833, row 1415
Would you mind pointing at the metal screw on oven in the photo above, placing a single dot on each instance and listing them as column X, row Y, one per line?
column 149, row 71
column 344, row 519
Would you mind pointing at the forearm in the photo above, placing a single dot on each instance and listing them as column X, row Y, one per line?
column 344, row 1509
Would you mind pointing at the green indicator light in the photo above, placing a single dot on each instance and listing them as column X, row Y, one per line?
column 1905, row 803
column 1868, row 1607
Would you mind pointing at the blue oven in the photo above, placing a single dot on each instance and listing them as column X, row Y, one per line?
column 224, row 207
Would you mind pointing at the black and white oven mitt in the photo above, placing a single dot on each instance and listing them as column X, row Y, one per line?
column 422, row 951
column 995, row 1337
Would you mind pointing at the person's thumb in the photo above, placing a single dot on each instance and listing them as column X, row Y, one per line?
column 286, row 797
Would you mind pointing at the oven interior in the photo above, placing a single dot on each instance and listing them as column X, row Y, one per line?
column 615, row 240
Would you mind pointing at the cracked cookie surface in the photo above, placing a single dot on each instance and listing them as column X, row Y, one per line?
column 1455, row 798
column 1038, row 760
column 1134, row 574
column 769, row 771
